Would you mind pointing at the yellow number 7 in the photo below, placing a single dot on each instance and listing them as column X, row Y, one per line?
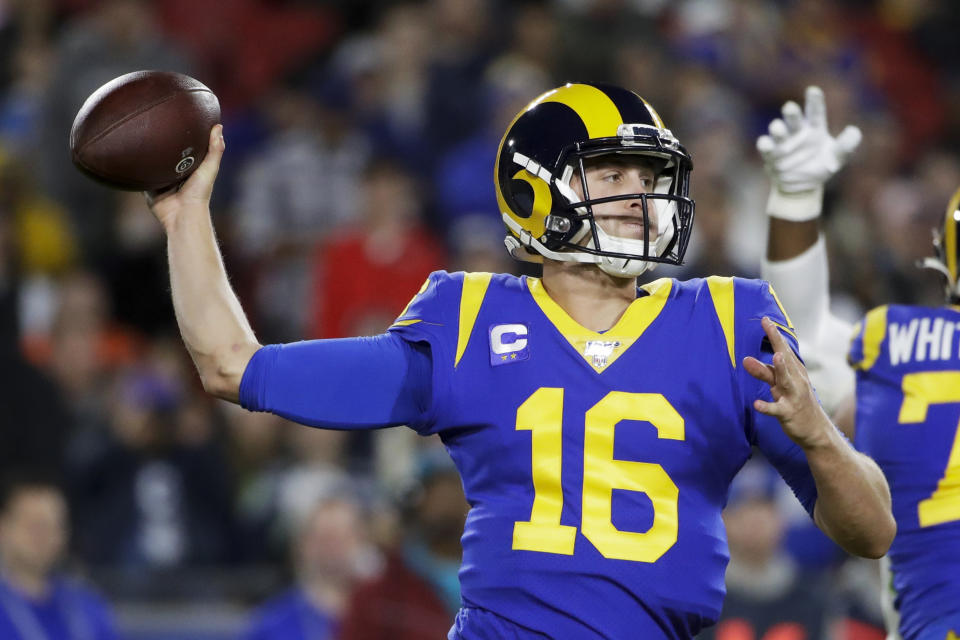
column 542, row 414
column 920, row 390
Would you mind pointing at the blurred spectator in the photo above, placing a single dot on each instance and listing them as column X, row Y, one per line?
column 364, row 275
column 137, row 264
column 768, row 596
column 418, row 593
column 80, row 349
column 461, row 48
column 156, row 492
column 113, row 37
column 387, row 71
column 21, row 102
column 304, row 182
column 330, row 553
column 44, row 234
column 257, row 463
column 476, row 242
column 36, row 423
column 317, row 466
column 463, row 174
column 244, row 47
column 592, row 32
column 35, row 600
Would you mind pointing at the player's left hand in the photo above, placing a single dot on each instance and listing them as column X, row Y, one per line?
column 795, row 404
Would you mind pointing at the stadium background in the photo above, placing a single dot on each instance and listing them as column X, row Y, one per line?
column 360, row 146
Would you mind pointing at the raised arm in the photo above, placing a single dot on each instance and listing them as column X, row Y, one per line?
column 800, row 156
column 214, row 328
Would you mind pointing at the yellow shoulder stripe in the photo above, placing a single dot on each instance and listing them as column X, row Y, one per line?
column 721, row 291
column 786, row 316
column 474, row 289
column 403, row 323
column 873, row 335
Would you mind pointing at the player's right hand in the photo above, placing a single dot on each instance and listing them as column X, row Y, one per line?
column 800, row 155
column 196, row 190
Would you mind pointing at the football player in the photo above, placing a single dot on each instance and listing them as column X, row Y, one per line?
column 596, row 425
column 903, row 408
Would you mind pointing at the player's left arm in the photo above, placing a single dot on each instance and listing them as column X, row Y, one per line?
column 853, row 499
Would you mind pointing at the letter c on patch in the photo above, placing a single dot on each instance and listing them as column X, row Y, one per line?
column 515, row 331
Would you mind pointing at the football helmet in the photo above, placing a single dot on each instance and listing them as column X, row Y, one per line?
column 546, row 145
column 947, row 249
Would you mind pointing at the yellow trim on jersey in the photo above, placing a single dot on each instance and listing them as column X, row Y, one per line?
column 721, row 292
column 474, row 289
column 785, row 329
column 874, row 333
column 625, row 332
column 598, row 112
column 950, row 234
column 404, row 323
column 786, row 316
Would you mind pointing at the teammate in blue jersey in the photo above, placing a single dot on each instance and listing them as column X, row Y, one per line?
column 903, row 407
column 596, row 425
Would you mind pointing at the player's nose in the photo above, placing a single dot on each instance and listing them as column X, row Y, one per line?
column 635, row 206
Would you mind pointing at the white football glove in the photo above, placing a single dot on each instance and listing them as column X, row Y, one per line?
column 800, row 156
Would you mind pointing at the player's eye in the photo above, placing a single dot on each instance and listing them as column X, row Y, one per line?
column 612, row 176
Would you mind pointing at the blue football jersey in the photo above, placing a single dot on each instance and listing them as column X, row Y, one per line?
column 596, row 465
column 908, row 410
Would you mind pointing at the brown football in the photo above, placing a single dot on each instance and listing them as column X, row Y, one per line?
column 144, row 131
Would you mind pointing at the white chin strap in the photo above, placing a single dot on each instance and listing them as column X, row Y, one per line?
column 952, row 288
column 621, row 267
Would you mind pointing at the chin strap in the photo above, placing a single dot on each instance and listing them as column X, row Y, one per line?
column 520, row 248
column 937, row 265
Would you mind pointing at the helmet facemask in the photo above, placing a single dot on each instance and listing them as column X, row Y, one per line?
column 572, row 231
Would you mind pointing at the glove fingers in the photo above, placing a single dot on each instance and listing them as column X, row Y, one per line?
column 848, row 141
column 816, row 108
column 792, row 116
column 778, row 130
column 800, row 161
column 765, row 145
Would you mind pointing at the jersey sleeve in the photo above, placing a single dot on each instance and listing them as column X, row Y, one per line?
column 430, row 320
column 348, row 383
column 757, row 299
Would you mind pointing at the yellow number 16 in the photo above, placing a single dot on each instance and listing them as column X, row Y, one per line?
column 542, row 414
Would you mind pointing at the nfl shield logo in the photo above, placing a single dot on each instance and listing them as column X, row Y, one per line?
column 599, row 351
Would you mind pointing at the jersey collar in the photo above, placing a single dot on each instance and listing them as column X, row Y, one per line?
column 600, row 350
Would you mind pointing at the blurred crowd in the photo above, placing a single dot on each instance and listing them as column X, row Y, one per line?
column 361, row 139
